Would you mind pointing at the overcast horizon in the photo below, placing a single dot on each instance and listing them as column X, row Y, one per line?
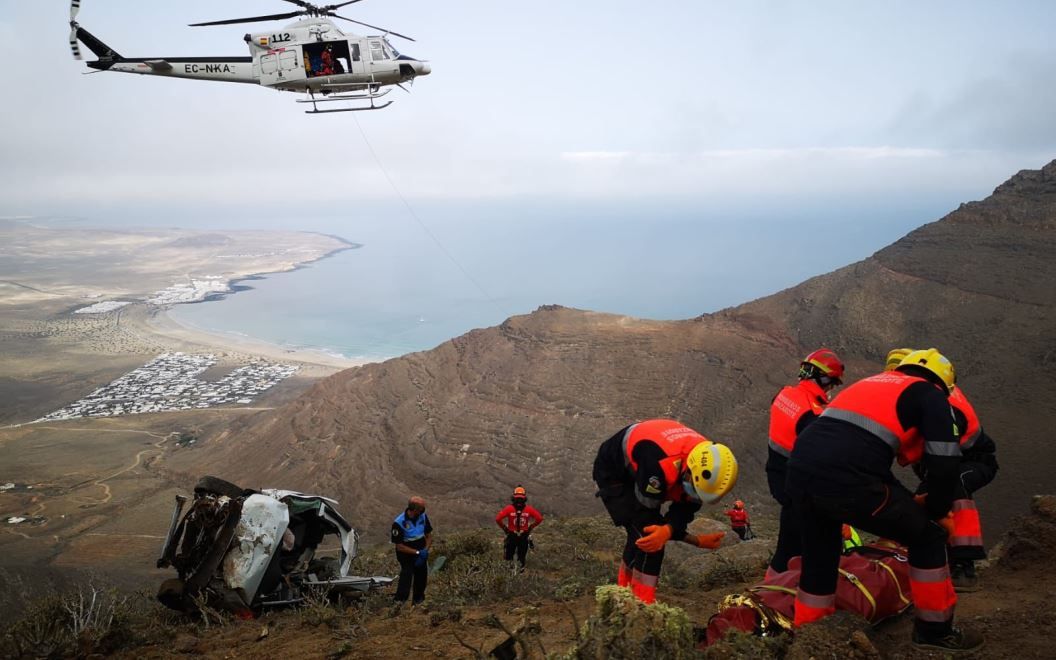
column 700, row 102
column 772, row 143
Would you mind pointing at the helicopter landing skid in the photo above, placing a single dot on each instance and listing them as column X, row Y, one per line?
column 369, row 107
column 370, row 95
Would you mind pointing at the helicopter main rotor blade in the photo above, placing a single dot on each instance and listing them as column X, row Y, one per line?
column 75, row 6
column 375, row 27
column 338, row 6
column 253, row 19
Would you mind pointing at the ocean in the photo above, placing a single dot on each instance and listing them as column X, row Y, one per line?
column 417, row 281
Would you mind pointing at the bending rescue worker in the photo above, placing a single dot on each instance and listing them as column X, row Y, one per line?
column 840, row 471
column 978, row 468
column 645, row 465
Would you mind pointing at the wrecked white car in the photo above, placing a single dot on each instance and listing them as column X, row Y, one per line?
column 241, row 549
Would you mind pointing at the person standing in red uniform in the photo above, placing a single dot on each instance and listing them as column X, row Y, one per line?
column 840, row 471
column 518, row 520
column 791, row 411
column 978, row 468
column 645, row 465
column 738, row 516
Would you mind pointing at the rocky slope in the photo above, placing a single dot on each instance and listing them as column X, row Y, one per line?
column 529, row 401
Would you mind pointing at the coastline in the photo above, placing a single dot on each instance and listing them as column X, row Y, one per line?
column 159, row 324
column 234, row 285
column 156, row 321
column 142, row 276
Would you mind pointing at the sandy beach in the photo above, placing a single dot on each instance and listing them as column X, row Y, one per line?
column 157, row 323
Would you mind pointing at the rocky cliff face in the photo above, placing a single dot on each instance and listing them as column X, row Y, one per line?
column 529, row 401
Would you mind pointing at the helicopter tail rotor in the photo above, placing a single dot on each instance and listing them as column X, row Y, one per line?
column 75, row 48
column 78, row 35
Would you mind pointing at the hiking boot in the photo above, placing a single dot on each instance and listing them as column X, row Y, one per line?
column 956, row 641
column 962, row 574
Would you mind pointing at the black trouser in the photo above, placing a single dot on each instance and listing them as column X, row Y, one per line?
column 742, row 532
column 516, row 543
column 409, row 573
column 626, row 511
column 789, row 540
column 887, row 510
column 975, row 475
column 789, row 543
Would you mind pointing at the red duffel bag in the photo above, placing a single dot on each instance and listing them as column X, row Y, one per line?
column 873, row 583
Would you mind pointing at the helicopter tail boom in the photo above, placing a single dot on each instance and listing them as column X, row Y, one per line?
column 107, row 55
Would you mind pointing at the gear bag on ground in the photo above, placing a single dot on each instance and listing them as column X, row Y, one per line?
column 873, row 583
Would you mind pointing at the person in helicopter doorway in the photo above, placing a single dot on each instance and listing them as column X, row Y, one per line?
column 328, row 60
column 315, row 64
column 518, row 520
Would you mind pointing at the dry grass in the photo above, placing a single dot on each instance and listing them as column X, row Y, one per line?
column 571, row 558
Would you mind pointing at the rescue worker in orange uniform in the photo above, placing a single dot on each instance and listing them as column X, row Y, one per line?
column 840, row 471
column 978, row 468
column 518, row 520
column 791, row 411
column 738, row 516
column 645, row 465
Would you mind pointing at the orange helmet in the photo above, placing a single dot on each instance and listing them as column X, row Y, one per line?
column 738, row 504
column 823, row 364
column 519, row 493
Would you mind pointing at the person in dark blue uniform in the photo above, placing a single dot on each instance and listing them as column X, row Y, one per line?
column 412, row 536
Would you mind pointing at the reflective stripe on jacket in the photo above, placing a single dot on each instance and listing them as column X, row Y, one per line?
column 871, row 404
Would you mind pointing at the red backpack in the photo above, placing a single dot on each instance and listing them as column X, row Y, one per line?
column 873, row 583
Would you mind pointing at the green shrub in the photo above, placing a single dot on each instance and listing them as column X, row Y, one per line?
column 624, row 627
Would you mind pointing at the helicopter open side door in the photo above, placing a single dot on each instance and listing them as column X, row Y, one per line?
column 281, row 66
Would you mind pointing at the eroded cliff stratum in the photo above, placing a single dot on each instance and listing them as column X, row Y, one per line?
column 529, row 401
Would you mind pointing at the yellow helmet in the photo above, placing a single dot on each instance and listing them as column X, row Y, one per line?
column 895, row 357
column 711, row 472
column 935, row 362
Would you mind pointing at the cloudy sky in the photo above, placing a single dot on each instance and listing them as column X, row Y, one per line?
column 710, row 103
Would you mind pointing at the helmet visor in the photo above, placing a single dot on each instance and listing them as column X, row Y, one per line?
column 689, row 489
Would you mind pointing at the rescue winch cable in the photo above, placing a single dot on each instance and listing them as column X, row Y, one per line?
column 411, row 212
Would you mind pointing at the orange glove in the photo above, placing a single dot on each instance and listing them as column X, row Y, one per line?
column 846, row 531
column 706, row 541
column 655, row 538
column 946, row 523
column 919, row 499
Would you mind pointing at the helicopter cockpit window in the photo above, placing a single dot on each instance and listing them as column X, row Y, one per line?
column 377, row 52
column 392, row 49
column 327, row 58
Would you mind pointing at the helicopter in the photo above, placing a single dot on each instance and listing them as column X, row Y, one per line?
column 311, row 56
